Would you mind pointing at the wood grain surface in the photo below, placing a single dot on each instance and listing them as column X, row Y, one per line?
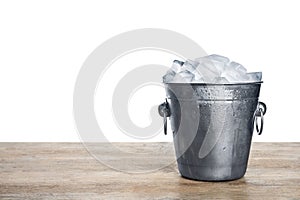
column 68, row 171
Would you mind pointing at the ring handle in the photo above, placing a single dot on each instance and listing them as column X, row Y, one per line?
column 263, row 106
column 260, row 112
column 164, row 111
column 165, row 123
column 259, row 130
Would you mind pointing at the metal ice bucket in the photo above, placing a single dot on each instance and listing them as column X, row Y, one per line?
column 212, row 127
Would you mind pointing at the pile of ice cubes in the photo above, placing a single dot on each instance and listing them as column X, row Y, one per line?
column 210, row 69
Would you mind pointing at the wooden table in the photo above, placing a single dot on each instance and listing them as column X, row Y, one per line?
column 68, row 171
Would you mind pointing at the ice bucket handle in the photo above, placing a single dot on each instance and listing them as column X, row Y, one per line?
column 259, row 113
column 164, row 111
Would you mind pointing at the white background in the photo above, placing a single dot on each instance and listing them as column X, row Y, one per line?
column 43, row 45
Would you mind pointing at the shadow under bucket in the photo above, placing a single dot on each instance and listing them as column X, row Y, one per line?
column 212, row 127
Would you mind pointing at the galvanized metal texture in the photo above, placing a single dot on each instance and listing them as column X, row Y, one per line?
column 218, row 148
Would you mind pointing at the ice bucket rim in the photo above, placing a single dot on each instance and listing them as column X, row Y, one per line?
column 216, row 84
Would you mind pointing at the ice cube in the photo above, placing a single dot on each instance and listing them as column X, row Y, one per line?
column 217, row 61
column 235, row 72
column 218, row 58
column 183, row 77
column 237, row 67
column 168, row 77
column 207, row 71
column 189, row 66
column 197, row 77
column 213, row 65
column 192, row 62
column 178, row 62
column 198, row 80
column 219, row 66
column 220, row 80
column 210, row 69
column 254, row 76
column 231, row 76
column 176, row 67
column 234, row 76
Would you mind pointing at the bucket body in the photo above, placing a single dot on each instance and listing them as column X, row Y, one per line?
column 212, row 128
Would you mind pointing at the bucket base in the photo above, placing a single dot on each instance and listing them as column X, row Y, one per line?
column 206, row 173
